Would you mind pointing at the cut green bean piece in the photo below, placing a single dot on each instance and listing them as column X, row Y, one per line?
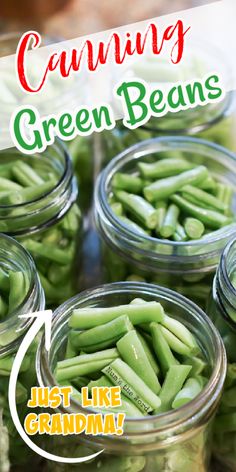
column 149, row 353
column 170, row 221
column 198, row 365
column 194, row 228
column 101, row 337
column 181, row 332
column 161, row 213
column 180, row 234
column 9, row 185
column 29, row 193
column 164, row 168
column 84, row 318
column 133, row 226
column 201, row 197
column 208, row 184
column 127, row 182
column 50, row 252
column 18, row 290
column 210, row 218
column 132, row 352
column 192, row 388
column 162, row 349
column 139, row 208
column 25, row 174
column 174, row 343
column 164, row 188
column 84, row 364
column 174, row 380
column 132, row 386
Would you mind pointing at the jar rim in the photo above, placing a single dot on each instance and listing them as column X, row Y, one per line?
column 171, row 419
column 224, row 286
column 141, row 150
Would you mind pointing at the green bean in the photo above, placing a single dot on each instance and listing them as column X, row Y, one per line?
column 132, row 352
column 161, row 213
column 180, row 331
column 174, row 343
column 49, row 252
column 4, row 281
column 149, row 353
column 70, row 351
column 210, row 218
column 198, row 365
column 4, row 446
column 164, row 188
column 84, row 364
column 29, row 193
column 162, row 349
column 136, row 228
column 101, row 337
column 194, row 228
column 192, row 388
column 9, row 185
column 117, row 208
column 224, row 193
column 139, row 208
column 180, row 234
column 127, row 182
column 202, row 198
column 170, row 221
column 164, row 168
column 84, row 318
column 208, row 184
column 25, row 174
column 132, row 386
column 172, row 384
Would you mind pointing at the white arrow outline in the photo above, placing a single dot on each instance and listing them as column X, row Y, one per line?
column 42, row 318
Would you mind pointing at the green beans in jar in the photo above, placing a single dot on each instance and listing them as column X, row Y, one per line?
column 38, row 207
column 166, row 219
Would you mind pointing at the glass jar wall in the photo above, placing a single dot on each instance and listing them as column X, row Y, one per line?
column 222, row 310
column 42, row 213
column 21, row 293
column 187, row 267
column 177, row 441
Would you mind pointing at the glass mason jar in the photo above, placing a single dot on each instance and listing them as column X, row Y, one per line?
column 48, row 226
column 14, row 258
column 187, row 267
column 222, row 310
column 81, row 147
column 178, row 441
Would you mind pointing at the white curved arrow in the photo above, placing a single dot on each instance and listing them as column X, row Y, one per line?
column 42, row 318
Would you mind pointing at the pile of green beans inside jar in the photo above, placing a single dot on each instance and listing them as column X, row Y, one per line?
column 222, row 310
column 176, row 439
column 38, row 207
column 128, row 220
column 21, row 293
